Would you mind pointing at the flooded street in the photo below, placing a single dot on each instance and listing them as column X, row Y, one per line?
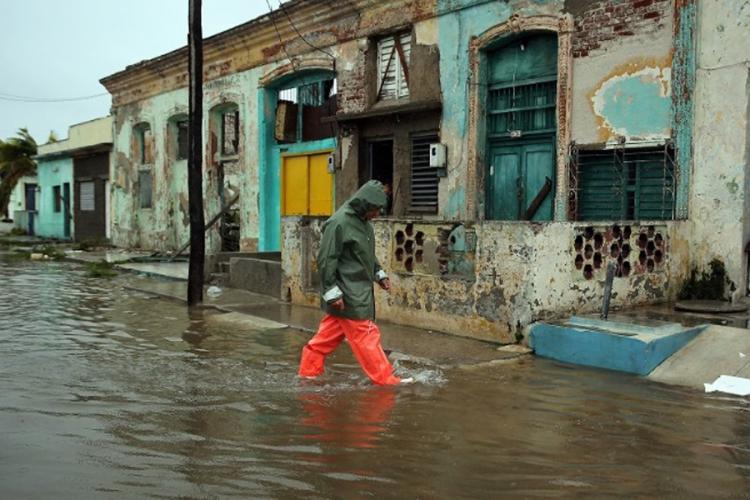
column 108, row 393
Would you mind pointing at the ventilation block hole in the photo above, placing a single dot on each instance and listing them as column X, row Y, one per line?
column 420, row 238
column 614, row 250
column 598, row 241
column 409, row 264
column 588, row 233
column 642, row 257
column 626, row 250
column 626, row 232
column 579, row 262
column 418, row 255
column 588, row 272
column 651, row 231
column 616, row 232
column 453, row 240
column 659, row 240
column 650, row 265
column 658, row 256
column 578, row 243
column 642, row 240
column 409, row 229
column 399, row 254
column 626, row 268
column 400, row 237
column 409, row 246
column 650, row 247
column 588, row 252
column 597, row 260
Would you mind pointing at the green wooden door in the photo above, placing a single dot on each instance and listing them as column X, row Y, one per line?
column 521, row 127
column 517, row 174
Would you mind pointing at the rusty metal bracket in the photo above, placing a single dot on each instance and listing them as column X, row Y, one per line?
column 538, row 199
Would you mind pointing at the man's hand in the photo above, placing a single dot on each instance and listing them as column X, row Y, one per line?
column 385, row 284
column 338, row 304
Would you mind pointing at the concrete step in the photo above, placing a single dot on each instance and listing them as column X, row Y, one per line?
column 224, row 267
column 225, row 256
column 257, row 275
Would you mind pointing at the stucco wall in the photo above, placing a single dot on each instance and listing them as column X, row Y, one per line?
column 502, row 276
column 721, row 175
column 622, row 72
column 165, row 226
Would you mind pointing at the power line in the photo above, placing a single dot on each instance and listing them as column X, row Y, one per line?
column 281, row 6
column 276, row 28
column 29, row 99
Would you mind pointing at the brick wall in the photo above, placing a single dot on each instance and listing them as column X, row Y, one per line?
column 608, row 20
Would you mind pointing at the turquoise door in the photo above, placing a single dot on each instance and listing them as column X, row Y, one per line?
column 517, row 175
column 521, row 128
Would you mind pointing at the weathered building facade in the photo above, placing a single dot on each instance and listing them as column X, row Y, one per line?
column 72, row 201
column 526, row 144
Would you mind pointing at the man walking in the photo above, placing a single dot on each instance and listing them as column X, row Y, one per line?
column 348, row 267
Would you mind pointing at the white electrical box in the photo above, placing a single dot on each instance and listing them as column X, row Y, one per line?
column 437, row 155
column 331, row 164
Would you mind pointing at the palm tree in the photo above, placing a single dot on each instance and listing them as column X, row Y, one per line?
column 16, row 161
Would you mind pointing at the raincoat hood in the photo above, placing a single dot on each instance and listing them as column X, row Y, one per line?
column 371, row 195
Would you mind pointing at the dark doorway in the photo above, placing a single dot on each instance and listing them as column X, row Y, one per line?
column 30, row 206
column 66, row 209
column 90, row 210
column 30, row 194
column 380, row 166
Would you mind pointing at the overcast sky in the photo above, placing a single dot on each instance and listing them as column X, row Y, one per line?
column 61, row 49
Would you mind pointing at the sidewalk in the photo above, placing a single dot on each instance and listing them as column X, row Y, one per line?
column 408, row 344
column 121, row 259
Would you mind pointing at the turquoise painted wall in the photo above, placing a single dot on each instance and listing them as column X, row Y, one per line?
column 269, row 197
column 683, row 90
column 53, row 173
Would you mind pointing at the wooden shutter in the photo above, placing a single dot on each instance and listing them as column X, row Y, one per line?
column 424, row 179
column 626, row 183
column 392, row 79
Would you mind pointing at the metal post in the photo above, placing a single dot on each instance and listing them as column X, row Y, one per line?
column 195, row 174
column 608, row 289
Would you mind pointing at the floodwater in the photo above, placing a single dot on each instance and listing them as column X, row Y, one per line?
column 106, row 393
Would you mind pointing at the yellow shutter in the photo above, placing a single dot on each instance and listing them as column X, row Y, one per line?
column 306, row 185
column 321, row 186
column 294, row 185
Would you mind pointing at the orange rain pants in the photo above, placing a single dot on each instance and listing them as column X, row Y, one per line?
column 364, row 338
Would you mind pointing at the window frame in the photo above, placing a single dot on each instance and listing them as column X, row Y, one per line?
column 400, row 60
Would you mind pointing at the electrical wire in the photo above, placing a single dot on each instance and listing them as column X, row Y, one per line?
column 276, row 28
column 29, row 99
column 294, row 27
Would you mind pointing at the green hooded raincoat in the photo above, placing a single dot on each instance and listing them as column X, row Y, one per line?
column 346, row 261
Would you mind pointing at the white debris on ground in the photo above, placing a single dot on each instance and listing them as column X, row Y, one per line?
column 728, row 384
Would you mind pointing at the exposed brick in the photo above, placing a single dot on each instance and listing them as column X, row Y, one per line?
column 651, row 15
column 637, row 4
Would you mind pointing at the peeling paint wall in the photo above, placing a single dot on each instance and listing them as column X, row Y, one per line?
column 517, row 273
column 165, row 226
column 720, row 179
column 622, row 67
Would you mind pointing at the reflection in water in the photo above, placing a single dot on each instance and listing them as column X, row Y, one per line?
column 356, row 423
column 109, row 393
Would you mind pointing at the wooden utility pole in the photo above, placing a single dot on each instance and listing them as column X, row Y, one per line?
column 195, row 172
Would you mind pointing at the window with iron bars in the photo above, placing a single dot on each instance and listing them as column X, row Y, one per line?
column 622, row 183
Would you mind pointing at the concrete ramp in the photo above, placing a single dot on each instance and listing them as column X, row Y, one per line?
column 623, row 344
column 716, row 351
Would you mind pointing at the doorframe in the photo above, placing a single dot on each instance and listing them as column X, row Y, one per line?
column 476, row 137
